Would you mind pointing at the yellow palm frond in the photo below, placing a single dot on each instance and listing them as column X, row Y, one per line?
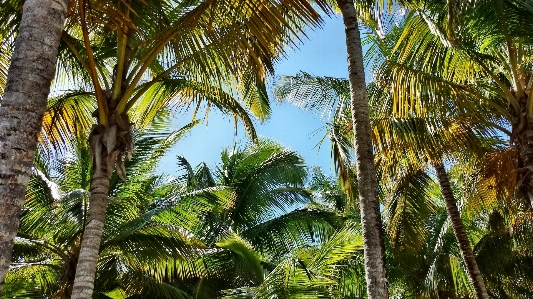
column 68, row 117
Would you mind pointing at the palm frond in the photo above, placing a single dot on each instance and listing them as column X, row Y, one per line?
column 408, row 209
column 68, row 117
column 281, row 235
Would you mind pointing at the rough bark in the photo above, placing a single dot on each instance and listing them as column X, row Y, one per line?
column 459, row 230
column 374, row 251
column 109, row 144
column 28, row 84
column 92, row 234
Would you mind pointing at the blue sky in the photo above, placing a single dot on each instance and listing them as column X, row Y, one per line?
column 323, row 54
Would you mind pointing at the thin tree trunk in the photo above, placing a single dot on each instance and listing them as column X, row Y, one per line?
column 522, row 136
column 374, row 251
column 30, row 73
column 459, row 231
column 92, row 235
column 68, row 279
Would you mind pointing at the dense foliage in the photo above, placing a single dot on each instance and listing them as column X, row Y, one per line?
column 451, row 121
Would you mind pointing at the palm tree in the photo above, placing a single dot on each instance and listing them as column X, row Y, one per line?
column 478, row 51
column 140, row 234
column 426, row 260
column 183, row 51
column 489, row 196
column 332, row 267
column 329, row 267
column 257, row 216
column 433, row 136
column 366, row 174
column 464, row 52
column 402, row 143
column 424, row 255
column 24, row 101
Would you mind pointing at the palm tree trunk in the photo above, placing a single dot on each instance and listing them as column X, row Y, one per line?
column 30, row 73
column 374, row 251
column 92, row 235
column 522, row 136
column 459, row 231
column 68, row 279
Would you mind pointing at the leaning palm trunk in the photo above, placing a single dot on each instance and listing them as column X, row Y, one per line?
column 366, row 174
column 31, row 71
column 92, row 236
column 459, row 231
column 108, row 143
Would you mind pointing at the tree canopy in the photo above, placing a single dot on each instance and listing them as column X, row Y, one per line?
column 432, row 195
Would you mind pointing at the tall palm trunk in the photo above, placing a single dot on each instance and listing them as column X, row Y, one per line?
column 374, row 251
column 30, row 73
column 459, row 231
column 92, row 234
